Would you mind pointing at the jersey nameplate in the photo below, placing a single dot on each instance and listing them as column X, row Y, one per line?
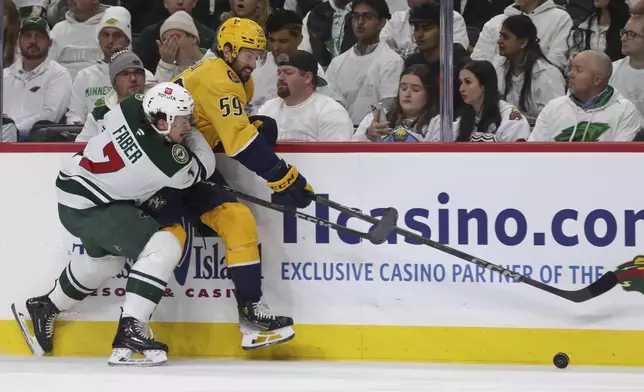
column 126, row 142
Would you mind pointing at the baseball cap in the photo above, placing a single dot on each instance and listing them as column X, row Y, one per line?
column 35, row 22
column 304, row 61
column 122, row 60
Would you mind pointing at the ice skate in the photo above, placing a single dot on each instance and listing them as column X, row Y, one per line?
column 43, row 312
column 261, row 328
column 135, row 337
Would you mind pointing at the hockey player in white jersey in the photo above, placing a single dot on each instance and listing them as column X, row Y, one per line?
column 99, row 191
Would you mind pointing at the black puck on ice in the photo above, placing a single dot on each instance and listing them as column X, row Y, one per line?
column 561, row 360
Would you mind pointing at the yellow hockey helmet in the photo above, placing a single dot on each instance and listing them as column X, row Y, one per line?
column 240, row 33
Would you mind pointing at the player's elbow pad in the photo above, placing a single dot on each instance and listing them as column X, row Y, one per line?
column 258, row 157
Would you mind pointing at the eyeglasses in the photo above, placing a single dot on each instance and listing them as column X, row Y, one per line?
column 367, row 16
column 133, row 72
column 630, row 35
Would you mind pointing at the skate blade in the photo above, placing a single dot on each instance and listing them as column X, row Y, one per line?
column 260, row 339
column 30, row 339
column 123, row 357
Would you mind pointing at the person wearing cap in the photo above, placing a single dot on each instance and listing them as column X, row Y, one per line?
column 425, row 20
column 74, row 41
column 178, row 46
column 398, row 32
column 146, row 45
column 369, row 72
column 35, row 88
column 127, row 77
column 93, row 84
column 284, row 32
column 302, row 114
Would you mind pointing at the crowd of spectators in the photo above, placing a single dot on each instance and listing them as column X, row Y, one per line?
column 524, row 70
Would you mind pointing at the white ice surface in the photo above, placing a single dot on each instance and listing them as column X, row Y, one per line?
column 26, row 374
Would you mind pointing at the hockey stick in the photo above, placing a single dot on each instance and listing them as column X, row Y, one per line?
column 595, row 289
column 377, row 235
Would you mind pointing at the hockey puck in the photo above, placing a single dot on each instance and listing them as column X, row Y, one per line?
column 561, row 360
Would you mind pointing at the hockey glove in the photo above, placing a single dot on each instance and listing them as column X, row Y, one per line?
column 266, row 126
column 290, row 187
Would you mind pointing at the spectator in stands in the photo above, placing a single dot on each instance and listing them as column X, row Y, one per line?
column 9, row 132
column 150, row 12
column 553, row 25
column 75, row 44
column 147, row 47
column 478, row 12
column 284, row 33
column 179, row 47
column 35, row 88
column 127, row 75
column 425, row 20
column 414, row 115
column 328, row 32
column 369, row 72
column 527, row 79
column 301, row 113
column 92, row 84
column 592, row 111
column 601, row 30
column 485, row 117
column 11, row 28
column 398, row 32
column 628, row 73
column 256, row 10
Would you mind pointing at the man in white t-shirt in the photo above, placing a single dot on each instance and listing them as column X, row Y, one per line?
column 592, row 111
column 628, row 73
column 302, row 114
column 398, row 32
column 284, row 33
column 369, row 72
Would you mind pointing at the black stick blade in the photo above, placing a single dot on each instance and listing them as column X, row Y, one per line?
column 597, row 288
column 385, row 226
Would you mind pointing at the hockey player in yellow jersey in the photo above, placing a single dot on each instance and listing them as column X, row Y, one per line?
column 221, row 88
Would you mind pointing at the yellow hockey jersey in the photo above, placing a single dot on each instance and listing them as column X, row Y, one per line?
column 220, row 98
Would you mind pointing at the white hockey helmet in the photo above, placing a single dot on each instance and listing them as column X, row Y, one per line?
column 167, row 99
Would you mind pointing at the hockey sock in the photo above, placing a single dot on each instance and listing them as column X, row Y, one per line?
column 83, row 276
column 149, row 275
column 248, row 282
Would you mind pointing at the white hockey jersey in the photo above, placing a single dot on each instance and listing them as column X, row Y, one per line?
column 126, row 163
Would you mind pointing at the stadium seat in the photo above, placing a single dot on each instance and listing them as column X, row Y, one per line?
column 54, row 133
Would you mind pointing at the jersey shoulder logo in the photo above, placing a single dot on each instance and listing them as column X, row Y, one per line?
column 515, row 115
column 139, row 97
column 233, row 77
column 180, row 154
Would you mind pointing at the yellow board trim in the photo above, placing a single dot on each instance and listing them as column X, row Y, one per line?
column 371, row 343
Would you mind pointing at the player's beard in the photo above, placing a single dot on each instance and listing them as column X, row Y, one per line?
column 243, row 73
column 283, row 91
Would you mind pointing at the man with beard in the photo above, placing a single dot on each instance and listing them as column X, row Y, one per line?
column 127, row 77
column 92, row 85
column 284, row 32
column 302, row 114
column 221, row 88
column 35, row 89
